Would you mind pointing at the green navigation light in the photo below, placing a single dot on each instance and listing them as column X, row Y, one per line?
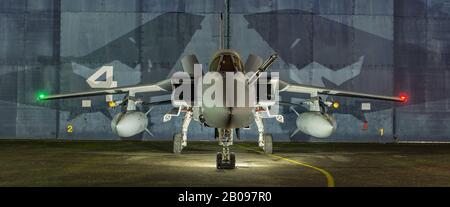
column 41, row 96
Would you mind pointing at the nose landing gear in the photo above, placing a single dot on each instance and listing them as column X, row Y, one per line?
column 225, row 164
column 225, row 159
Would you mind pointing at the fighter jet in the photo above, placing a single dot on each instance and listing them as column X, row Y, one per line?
column 223, row 118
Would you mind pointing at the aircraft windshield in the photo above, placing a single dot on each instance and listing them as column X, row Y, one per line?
column 226, row 62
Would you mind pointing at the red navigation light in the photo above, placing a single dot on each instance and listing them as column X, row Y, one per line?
column 403, row 97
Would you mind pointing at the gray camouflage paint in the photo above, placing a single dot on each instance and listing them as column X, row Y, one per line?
column 376, row 46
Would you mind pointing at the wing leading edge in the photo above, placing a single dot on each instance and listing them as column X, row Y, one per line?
column 164, row 85
column 306, row 89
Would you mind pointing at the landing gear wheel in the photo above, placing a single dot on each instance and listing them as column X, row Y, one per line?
column 232, row 161
column 219, row 160
column 268, row 143
column 177, row 141
column 222, row 164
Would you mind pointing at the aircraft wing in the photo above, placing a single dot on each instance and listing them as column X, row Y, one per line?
column 164, row 85
column 307, row 89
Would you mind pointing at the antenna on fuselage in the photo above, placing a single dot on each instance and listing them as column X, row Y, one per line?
column 225, row 27
column 221, row 33
column 228, row 25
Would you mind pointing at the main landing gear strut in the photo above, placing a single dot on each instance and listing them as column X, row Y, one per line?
column 264, row 140
column 180, row 139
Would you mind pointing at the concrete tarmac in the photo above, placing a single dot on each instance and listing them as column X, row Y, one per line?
column 127, row 163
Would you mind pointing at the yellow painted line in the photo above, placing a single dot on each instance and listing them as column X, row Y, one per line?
column 330, row 179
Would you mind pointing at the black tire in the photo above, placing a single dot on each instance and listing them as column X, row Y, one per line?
column 268, row 143
column 232, row 161
column 177, row 140
column 219, row 160
column 231, row 164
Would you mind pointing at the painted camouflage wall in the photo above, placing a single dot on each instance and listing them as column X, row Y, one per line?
column 376, row 46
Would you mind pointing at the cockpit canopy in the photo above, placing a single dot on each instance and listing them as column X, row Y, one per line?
column 226, row 61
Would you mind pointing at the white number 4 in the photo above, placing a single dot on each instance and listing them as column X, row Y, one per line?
column 107, row 83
